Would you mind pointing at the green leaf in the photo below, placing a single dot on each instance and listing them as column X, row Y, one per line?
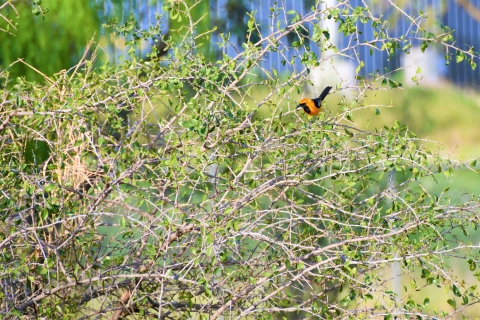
column 326, row 34
column 425, row 273
column 50, row 187
column 191, row 123
column 456, row 291
column 123, row 222
column 43, row 270
column 452, row 303
column 359, row 67
column 352, row 295
column 426, row 302
column 45, row 214
column 410, row 304
column 473, row 64
column 472, row 265
column 424, row 46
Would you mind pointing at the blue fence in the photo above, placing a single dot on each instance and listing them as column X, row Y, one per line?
column 467, row 33
column 231, row 13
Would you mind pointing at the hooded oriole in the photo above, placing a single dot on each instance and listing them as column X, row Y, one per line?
column 312, row 107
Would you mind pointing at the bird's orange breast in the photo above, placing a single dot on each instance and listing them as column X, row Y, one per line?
column 311, row 105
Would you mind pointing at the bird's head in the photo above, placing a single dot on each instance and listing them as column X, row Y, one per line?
column 305, row 104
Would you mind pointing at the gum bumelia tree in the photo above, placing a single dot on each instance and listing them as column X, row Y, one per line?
column 186, row 186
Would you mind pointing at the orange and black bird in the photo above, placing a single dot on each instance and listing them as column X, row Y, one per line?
column 312, row 107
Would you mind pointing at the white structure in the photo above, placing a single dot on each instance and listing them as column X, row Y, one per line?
column 333, row 70
column 431, row 64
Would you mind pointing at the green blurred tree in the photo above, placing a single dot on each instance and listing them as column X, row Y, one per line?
column 50, row 43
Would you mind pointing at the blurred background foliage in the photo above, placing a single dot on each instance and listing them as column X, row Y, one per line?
column 50, row 43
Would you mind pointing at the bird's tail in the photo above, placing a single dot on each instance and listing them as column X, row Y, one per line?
column 324, row 93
